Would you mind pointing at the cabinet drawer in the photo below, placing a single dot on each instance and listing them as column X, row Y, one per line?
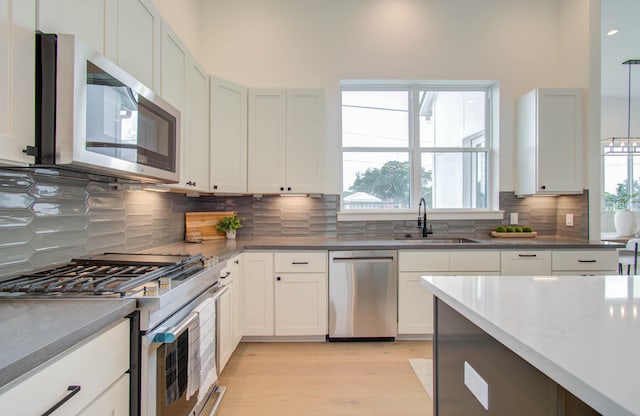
column 606, row 260
column 423, row 260
column 525, row 263
column 475, row 261
column 93, row 365
column 300, row 262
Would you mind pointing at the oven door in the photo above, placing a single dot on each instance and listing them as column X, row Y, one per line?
column 179, row 375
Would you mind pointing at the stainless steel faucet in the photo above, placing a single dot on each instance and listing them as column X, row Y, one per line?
column 422, row 220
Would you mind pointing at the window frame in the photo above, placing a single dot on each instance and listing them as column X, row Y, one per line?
column 415, row 151
column 630, row 172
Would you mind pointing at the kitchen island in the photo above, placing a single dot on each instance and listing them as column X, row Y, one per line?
column 534, row 345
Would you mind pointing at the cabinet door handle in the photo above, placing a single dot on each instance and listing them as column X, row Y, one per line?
column 587, row 261
column 299, row 262
column 278, row 278
column 73, row 390
column 527, row 255
column 237, row 262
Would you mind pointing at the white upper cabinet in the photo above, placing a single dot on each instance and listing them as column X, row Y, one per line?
column 17, row 74
column 137, row 46
column 549, row 142
column 125, row 31
column 173, row 66
column 228, row 137
column 195, row 150
column 305, row 141
column 286, row 138
column 84, row 18
column 184, row 85
column 267, row 141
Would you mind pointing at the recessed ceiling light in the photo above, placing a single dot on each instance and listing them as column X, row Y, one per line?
column 612, row 32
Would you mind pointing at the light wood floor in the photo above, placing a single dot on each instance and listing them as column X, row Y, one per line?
column 339, row 378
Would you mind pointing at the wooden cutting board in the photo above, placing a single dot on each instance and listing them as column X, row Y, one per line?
column 201, row 226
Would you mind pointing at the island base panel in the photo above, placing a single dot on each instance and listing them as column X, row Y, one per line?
column 514, row 385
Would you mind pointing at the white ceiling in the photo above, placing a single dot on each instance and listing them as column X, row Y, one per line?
column 625, row 16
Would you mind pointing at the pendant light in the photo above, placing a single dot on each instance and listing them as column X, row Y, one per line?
column 627, row 144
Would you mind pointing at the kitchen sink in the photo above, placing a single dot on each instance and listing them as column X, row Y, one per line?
column 453, row 240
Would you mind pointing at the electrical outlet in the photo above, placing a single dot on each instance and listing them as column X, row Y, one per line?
column 569, row 220
column 514, row 218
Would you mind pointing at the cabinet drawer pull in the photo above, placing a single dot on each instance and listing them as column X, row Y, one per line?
column 73, row 390
column 527, row 255
column 226, row 275
column 300, row 262
column 587, row 261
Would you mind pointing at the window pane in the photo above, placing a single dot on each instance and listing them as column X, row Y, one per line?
column 454, row 179
column 375, row 119
column 375, row 180
column 616, row 191
column 452, row 118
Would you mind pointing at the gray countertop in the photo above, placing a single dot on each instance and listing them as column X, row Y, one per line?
column 227, row 248
column 34, row 331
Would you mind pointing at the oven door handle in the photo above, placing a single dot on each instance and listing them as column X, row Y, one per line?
column 170, row 334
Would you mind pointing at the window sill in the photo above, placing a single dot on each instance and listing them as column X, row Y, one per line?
column 435, row 215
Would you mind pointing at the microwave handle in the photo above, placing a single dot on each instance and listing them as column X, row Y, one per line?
column 168, row 335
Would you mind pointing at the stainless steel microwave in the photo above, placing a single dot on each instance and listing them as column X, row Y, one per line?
column 92, row 116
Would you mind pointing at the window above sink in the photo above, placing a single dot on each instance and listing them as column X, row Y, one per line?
column 402, row 142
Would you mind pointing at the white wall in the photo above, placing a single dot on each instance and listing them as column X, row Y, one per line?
column 614, row 115
column 523, row 44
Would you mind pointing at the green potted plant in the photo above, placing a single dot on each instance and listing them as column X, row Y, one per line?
column 229, row 225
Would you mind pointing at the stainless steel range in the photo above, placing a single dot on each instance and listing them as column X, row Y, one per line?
column 173, row 354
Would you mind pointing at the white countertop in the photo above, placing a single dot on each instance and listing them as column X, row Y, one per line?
column 581, row 331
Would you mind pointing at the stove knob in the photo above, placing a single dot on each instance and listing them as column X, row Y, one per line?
column 151, row 289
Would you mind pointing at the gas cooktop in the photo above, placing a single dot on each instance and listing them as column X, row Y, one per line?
column 108, row 274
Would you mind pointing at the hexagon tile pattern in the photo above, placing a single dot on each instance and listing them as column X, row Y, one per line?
column 47, row 220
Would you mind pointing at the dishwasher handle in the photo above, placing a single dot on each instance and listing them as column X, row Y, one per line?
column 385, row 259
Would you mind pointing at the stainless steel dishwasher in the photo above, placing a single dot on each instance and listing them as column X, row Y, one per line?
column 363, row 295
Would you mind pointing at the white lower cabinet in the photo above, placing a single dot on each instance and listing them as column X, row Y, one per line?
column 229, row 332
column 225, row 342
column 301, row 304
column 257, row 293
column 415, row 303
column 113, row 402
column 525, row 263
column 584, row 262
column 301, row 293
column 285, row 293
column 98, row 366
